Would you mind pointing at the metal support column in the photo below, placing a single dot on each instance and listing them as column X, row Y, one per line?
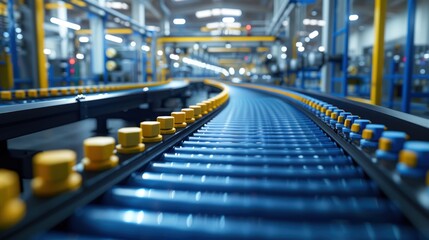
column 378, row 51
column 12, row 40
column 409, row 56
column 40, row 42
column 153, row 53
column 326, row 42
column 97, row 49
column 336, row 33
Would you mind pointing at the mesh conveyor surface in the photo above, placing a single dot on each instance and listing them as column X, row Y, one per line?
column 259, row 169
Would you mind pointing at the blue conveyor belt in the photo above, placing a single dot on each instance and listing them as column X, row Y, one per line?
column 259, row 169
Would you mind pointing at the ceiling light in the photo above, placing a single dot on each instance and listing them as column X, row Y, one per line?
column 426, row 55
column 174, row 57
column 159, row 52
column 231, row 71
column 284, row 49
column 145, row 48
column 80, row 56
column 179, row 21
column 298, row 44
column 203, row 13
column 283, row 56
column 47, row 51
column 218, row 12
column 301, row 49
column 83, row 39
column 307, row 39
column 176, row 65
column 214, row 25
column 227, row 45
column 117, row 5
column 66, row 24
column 196, row 46
column 230, row 12
column 113, row 38
column 353, row 17
column 241, row 71
column 269, row 56
column 133, row 44
column 313, row 34
column 228, row 20
column 313, row 22
column 153, row 28
column 321, row 49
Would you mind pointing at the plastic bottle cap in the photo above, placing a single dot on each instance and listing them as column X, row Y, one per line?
column 203, row 108
column 408, row 158
column 189, row 115
column 99, row 148
column 151, row 131
column 44, row 92
column 64, row 91
column 20, row 94
column 6, row 95
column 130, row 140
column 197, row 111
column 53, row 172
column 99, row 154
column 129, row 136
column 54, row 92
column 32, row 93
column 165, row 122
column 12, row 208
column 179, row 119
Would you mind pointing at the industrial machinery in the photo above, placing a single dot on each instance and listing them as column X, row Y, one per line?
column 253, row 161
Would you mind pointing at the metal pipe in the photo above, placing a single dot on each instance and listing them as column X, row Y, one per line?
column 378, row 51
column 345, row 50
column 409, row 56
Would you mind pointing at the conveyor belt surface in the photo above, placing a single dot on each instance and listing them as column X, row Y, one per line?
column 259, row 169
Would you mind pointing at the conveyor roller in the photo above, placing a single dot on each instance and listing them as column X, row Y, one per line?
column 259, row 169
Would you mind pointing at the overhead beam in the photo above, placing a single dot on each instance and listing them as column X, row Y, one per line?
column 243, row 7
column 217, row 39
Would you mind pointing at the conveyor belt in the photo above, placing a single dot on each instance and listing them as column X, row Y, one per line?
column 259, row 169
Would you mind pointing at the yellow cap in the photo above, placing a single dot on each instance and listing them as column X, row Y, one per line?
column 355, row 127
column 347, row 123
column 99, row 153
column 151, row 131
column 334, row 115
column 44, row 92
column 367, row 134
column 64, row 91
column 88, row 89
column 99, row 148
column 53, row 172
column 54, row 92
column 130, row 140
column 197, row 111
column 323, row 109
column 408, row 158
column 189, row 115
column 12, row 208
column 340, row 119
column 129, row 136
column 6, row 95
column 384, row 144
column 203, row 108
column 166, row 124
column 80, row 90
column 209, row 105
column 20, row 94
column 179, row 119
column 72, row 90
column 32, row 93
column 328, row 112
